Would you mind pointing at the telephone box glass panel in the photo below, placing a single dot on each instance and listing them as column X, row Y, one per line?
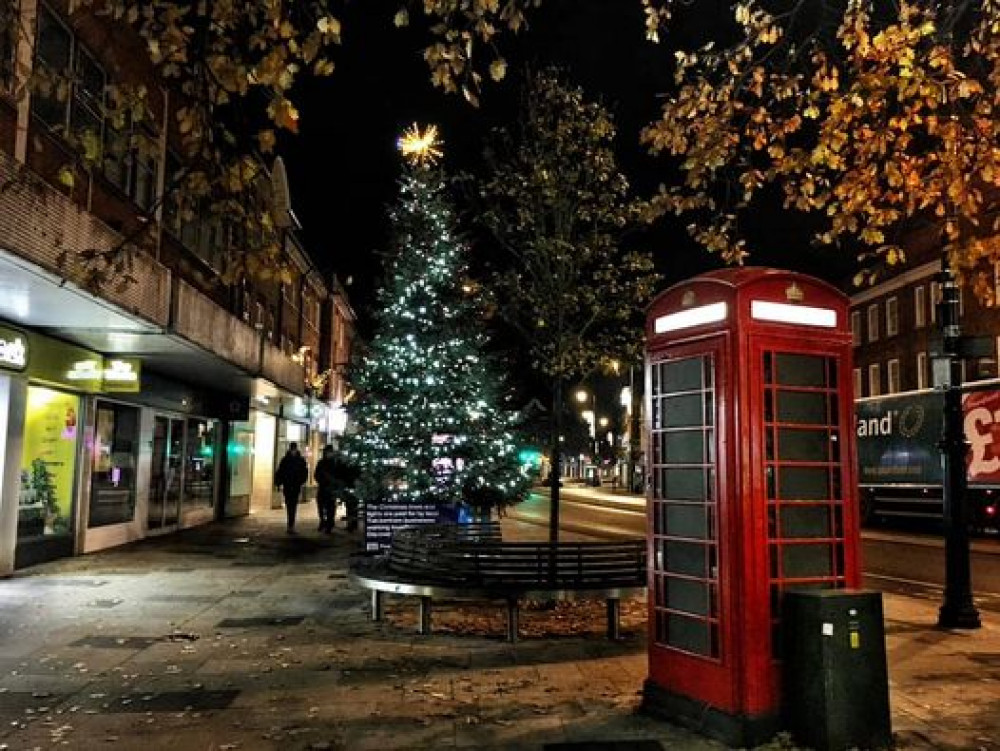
column 803, row 470
column 684, row 512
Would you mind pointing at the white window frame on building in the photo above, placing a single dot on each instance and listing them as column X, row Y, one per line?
column 856, row 327
column 858, row 385
column 873, row 323
column 874, row 380
column 922, row 370
column 935, row 299
column 892, row 374
column 919, row 306
column 892, row 316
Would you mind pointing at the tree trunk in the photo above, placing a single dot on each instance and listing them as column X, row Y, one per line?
column 556, row 472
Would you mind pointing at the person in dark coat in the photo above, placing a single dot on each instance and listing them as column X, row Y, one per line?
column 325, row 475
column 290, row 476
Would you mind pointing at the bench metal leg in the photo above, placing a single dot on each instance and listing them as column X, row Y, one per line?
column 512, row 617
column 377, row 605
column 424, row 627
column 614, row 611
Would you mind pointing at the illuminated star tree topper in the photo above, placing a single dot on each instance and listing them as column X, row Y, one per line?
column 421, row 148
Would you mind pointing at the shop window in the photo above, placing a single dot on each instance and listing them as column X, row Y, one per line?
column 116, row 442
column 48, row 464
column 199, row 463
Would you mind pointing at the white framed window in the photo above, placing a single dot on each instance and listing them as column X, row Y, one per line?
column 858, row 386
column 856, row 327
column 961, row 301
column 921, row 370
column 935, row 299
column 892, row 317
column 874, row 380
column 873, row 323
column 892, row 372
column 919, row 306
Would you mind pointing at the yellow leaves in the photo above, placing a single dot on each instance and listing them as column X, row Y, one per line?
column 266, row 139
column 402, row 18
column 329, row 27
column 284, row 114
column 66, row 177
column 498, row 69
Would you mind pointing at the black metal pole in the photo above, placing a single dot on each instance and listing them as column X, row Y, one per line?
column 958, row 609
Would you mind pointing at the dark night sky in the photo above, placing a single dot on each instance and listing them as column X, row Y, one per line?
column 343, row 165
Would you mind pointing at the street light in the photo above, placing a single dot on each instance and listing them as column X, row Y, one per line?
column 590, row 416
column 958, row 610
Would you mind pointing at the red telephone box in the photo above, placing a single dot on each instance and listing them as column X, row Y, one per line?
column 751, row 486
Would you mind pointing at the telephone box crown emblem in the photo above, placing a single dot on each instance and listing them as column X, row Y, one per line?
column 794, row 293
column 688, row 299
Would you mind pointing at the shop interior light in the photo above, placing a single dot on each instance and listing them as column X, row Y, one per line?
column 685, row 319
column 803, row 315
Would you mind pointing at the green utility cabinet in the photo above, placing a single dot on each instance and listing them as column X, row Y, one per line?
column 835, row 681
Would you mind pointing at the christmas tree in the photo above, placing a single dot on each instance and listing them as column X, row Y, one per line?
column 430, row 425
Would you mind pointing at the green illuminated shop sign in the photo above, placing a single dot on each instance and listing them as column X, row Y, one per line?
column 121, row 374
column 64, row 364
column 13, row 349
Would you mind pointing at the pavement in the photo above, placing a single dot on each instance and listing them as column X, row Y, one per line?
column 238, row 636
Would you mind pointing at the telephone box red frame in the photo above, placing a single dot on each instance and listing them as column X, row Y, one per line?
column 755, row 336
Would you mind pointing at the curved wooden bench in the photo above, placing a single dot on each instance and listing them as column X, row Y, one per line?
column 472, row 562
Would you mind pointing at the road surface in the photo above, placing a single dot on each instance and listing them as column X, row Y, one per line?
column 897, row 561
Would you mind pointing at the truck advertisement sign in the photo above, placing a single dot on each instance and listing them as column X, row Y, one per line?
column 898, row 438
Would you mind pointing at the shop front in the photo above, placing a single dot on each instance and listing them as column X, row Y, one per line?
column 60, row 378
column 96, row 453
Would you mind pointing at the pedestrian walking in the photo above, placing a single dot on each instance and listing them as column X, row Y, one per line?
column 290, row 476
column 325, row 475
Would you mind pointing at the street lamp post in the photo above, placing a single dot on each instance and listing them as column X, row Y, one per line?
column 958, row 609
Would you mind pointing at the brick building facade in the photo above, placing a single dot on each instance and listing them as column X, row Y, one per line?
column 154, row 396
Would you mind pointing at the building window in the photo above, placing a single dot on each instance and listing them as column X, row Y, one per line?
column 131, row 164
column 892, row 317
column 53, row 58
column 8, row 43
column 873, row 323
column 874, row 380
column 935, row 299
column 858, row 388
column 921, row 370
column 69, row 93
column 893, row 376
column 856, row 327
column 919, row 307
